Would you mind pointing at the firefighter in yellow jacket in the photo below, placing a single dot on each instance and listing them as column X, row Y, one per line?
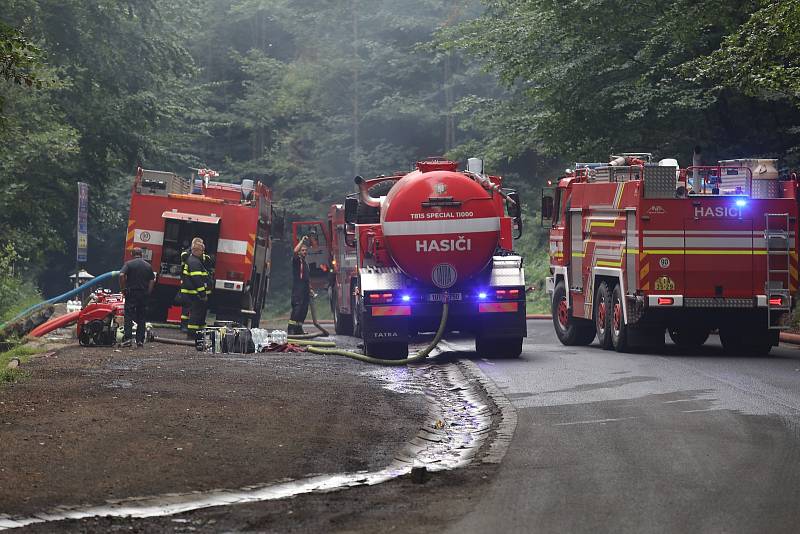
column 194, row 288
column 208, row 262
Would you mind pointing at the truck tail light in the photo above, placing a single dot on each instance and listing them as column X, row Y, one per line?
column 775, row 301
column 666, row 301
column 380, row 298
column 507, row 293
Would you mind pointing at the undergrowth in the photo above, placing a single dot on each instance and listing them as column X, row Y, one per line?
column 23, row 353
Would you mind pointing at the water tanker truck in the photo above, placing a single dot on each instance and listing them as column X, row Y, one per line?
column 430, row 236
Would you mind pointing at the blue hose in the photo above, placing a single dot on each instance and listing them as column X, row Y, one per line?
column 60, row 298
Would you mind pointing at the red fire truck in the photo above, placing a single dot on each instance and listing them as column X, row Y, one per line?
column 409, row 242
column 235, row 222
column 638, row 247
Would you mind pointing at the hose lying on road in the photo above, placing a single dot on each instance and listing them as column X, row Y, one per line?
column 171, row 341
column 421, row 355
column 164, row 325
column 71, row 293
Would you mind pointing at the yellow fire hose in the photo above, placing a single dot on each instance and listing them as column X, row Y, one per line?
column 316, row 348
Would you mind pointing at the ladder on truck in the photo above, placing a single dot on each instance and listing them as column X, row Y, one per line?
column 776, row 235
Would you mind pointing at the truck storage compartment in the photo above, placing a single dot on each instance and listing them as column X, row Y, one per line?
column 718, row 258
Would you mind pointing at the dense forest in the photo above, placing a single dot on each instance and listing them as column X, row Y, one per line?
column 304, row 94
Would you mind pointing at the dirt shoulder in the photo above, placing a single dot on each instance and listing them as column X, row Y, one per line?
column 92, row 424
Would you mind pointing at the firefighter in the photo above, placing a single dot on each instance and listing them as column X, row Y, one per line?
column 301, row 288
column 136, row 281
column 208, row 262
column 194, row 287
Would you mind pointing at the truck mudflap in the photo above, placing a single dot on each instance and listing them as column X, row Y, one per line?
column 386, row 324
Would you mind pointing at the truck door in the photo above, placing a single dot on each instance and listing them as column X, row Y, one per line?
column 319, row 250
column 576, row 249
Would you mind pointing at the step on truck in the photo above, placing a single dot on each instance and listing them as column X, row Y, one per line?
column 405, row 243
column 236, row 223
column 639, row 247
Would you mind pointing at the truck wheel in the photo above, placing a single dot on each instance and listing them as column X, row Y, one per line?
column 619, row 330
column 356, row 317
column 343, row 324
column 688, row 337
column 743, row 342
column 498, row 348
column 570, row 331
column 602, row 315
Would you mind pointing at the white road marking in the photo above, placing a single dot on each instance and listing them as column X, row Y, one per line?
column 595, row 421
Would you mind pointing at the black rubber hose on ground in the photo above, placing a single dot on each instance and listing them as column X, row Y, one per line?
column 170, row 341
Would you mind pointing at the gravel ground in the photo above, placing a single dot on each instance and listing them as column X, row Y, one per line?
column 93, row 424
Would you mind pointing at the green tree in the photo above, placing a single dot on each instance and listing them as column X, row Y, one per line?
column 593, row 76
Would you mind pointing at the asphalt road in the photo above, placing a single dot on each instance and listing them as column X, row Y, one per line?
column 670, row 442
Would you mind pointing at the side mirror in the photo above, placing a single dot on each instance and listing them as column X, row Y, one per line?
column 513, row 204
column 351, row 210
column 547, row 206
column 350, row 235
column 278, row 224
column 514, row 210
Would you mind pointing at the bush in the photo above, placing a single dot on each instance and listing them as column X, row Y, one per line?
column 15, row 293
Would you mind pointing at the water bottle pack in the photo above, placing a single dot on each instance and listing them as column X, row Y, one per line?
column 234, row 338
column 225, row 340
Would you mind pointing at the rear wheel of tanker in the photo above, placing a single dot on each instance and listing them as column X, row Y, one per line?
column 356, row 317
column 619, row 330
column 498, row 347
column 744, row 342
column 342, row 323
column 602, row 315
column 688, row 337
column 570, row 331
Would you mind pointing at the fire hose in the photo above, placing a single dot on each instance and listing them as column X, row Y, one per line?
column 316, row 347
column 93, row 282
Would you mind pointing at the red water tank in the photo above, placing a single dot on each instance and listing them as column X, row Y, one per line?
column 440, row 227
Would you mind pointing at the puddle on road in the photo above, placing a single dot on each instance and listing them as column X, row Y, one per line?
column 457, row 426
column 396, row 379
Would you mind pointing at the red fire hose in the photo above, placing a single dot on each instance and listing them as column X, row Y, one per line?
column 53, row 324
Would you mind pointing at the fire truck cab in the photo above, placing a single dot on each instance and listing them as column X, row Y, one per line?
column 638, row 247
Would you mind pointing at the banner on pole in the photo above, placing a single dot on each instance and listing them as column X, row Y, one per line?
column 83, row 227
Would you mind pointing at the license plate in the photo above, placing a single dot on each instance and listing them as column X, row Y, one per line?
column 439, row 297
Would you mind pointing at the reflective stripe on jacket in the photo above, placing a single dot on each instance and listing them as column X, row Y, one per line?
column 194, row 276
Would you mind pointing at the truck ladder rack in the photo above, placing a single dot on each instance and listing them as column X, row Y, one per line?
column 778, row 278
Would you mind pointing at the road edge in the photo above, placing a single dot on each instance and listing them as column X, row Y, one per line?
column 504, row 432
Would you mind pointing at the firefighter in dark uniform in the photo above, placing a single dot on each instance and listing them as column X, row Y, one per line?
column 136, row 281
column 185, row 301
column 301, row 288
column 194, row 288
